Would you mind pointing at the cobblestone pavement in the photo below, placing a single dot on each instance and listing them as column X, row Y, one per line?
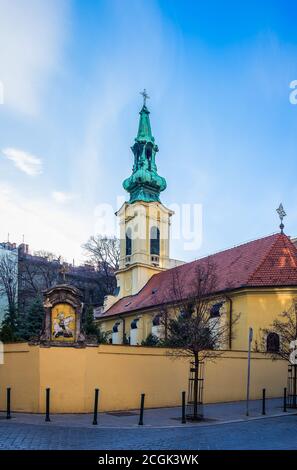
column 269, row 433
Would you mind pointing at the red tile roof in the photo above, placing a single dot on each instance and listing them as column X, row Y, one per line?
column 266, row 262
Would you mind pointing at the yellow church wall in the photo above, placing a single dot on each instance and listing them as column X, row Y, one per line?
column 20, row 371
column 146, row 318
column 63, row 370
column 122, row 373
column 256, row 308
column 226, row 377
column 126, row 372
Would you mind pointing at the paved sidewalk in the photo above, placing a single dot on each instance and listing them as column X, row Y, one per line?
column 214, row 414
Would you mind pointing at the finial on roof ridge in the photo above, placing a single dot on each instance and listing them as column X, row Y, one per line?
column 281, row 213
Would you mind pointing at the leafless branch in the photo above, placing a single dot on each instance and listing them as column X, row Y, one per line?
column 9, row 280
column 189, row 325
column 286, row 327
column 104, row 254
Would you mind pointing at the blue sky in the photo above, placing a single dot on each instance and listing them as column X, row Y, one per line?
column 218, row 75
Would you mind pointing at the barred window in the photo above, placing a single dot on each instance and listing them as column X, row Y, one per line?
column 272, row 342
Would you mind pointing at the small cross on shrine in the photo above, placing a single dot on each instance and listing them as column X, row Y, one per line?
column 64, row 270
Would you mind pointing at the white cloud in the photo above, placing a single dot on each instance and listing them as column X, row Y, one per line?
column 45, row 226
column 61, row 197
column 31, row 41
column 24, row 161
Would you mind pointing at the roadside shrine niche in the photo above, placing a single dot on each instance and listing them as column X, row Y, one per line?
column 63, row 317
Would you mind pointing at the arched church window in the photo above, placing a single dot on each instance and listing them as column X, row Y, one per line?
column 155, row 241
column 186, row 312
column 129, row 242
column 134, row 323
column 116, row 291
column 215, row 310
column 157, row 320
column 148, row 150
column 148, row 154
column 272, row 342
column 115, row 327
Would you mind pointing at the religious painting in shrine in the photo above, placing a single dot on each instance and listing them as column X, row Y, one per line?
column 63, row 323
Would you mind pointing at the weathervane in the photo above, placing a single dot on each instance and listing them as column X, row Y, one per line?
column 145, row 96
column 281, row 213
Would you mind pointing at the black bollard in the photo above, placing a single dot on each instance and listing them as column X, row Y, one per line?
column 95, row 420
column 47, row 404
column 8, row 403
column 184, row 408
column 141, row 410
column 264, row 401
column 285, row 400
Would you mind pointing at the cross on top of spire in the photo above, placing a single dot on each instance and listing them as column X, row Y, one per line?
column 145, row 96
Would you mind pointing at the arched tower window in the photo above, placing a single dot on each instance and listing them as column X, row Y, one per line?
column 148, row 154
column 129, row 242
column 155, row 241
column 272, row 342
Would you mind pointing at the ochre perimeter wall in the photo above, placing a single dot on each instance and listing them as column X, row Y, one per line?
column 122, row 373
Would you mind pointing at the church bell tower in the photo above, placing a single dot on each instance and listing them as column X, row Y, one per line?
column 144, row 220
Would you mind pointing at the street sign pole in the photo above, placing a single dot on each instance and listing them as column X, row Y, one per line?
column 250, row 339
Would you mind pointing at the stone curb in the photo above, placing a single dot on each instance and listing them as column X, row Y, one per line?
column 148, row 426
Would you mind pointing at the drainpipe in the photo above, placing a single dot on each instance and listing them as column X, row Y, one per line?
column 166, row 325
column 124, row 328
column 230, row 319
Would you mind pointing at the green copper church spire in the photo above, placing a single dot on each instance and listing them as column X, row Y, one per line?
column 144, row 184
column 144, row 128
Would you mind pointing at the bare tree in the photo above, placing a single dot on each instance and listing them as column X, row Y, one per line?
column 47, row 255
column 44, row 270
column 280, row 341
column 35, row 275
column 9, row 281
column 104, row 254
column 277, row 340
column 194, row 325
